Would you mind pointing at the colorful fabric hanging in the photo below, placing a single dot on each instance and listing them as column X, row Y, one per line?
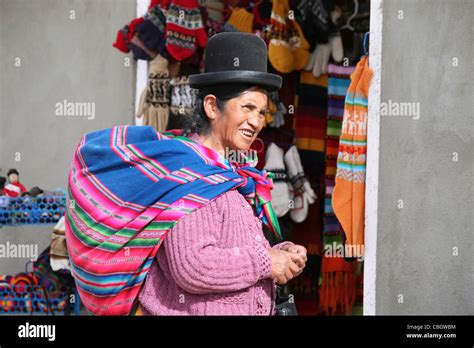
column 338, row 287
column 349, row 191
column 338, row 82
column 310, row 120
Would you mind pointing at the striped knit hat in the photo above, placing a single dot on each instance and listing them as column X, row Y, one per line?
column 184, row 29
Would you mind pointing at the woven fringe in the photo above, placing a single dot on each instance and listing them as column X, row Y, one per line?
column 337, row 293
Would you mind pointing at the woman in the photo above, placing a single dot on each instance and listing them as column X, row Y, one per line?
column 216, row 260
column 213, row 258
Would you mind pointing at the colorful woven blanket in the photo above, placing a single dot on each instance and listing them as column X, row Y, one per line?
column 128, row 187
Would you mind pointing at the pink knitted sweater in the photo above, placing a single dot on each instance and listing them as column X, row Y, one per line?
column 214, row 261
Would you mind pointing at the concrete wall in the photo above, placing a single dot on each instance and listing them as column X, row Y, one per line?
column 61, row 59
column 425, row 194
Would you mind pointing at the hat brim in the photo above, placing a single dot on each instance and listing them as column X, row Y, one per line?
column 268, row 81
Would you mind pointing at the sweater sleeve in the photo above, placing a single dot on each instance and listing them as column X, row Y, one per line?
column 282, row 245
column 199, row 265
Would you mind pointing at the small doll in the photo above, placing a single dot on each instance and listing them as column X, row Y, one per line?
column 14, row 188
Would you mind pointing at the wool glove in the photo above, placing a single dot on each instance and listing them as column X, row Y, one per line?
column 299, row 167
column 321, row 60
column 183, row 97
column 281, row 194
column 154, row 102
column 337, row 50
column 302, row 197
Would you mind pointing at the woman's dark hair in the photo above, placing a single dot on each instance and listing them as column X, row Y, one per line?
column 198, row 122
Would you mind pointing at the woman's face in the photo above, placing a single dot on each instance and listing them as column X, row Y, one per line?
column 240, row 121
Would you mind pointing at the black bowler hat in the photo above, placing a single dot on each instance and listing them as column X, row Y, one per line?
column 234, row 57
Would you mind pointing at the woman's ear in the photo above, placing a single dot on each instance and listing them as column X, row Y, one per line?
column 210, row 106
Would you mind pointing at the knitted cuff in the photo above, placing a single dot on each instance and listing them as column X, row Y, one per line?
column 158, row 90
column 282, row 245
column 183, row 97
column 262, row 261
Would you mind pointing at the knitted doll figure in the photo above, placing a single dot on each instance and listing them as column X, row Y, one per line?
column 14, row 188
column 154, row 102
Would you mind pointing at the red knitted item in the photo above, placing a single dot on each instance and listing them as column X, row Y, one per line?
column 184, row 29
column 121, row 42
column 124, row 37
column 163, row 3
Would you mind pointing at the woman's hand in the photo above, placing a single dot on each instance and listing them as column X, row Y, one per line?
column 298, row 254
column 283, row 266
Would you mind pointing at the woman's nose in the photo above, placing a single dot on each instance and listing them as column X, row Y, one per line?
column 254, row 121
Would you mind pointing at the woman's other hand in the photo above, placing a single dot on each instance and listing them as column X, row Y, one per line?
column 283, row 266
column 298, row 255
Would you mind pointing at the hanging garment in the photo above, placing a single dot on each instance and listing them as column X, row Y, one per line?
column 349, row 191
column 152, row 31
column 310, row 121
column 279, row 49
column 240, row 20
column 127, row 187
column 155, row 99
column 281, row 195
column 303, row 193
column 338, row 287
column 183, row 97
column 338, row 82
column 184, row 29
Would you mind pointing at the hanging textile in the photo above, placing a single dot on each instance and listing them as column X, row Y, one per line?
column 338, row 82
column 338, row 286
column 349, row 191
column 310, row 120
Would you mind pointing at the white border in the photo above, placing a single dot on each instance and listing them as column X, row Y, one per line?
column 142, row 67
column 373, row 143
